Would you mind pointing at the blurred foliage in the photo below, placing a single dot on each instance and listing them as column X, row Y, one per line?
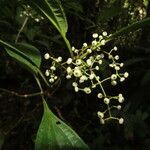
column 19, row 117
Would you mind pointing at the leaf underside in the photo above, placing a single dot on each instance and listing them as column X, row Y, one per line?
column 54, row 134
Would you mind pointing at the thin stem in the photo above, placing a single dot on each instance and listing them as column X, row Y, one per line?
column 21, row 29
column 106, row 79
column 100, row 84
column 21, row 95
column 68, row 45
column 41, row 74
column 111, row 118
column 39, row 84
column 40, row 87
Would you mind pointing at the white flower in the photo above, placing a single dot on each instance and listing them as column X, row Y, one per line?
column 115, row 48
column 76, row 51
column 120, row 98
column 100, row 37
column 77, row 72
column 110, row 35
column 53, row 68
column 98, row 49
column 100, row 114
column 89, row 62
column 24, row 12
column 100, row 62
column 92, row 58
column 37, row 19
column 92, row 75
column 81, row 81
column 119, row 107
column 89, row 50
column 51, row 80
column 113, row 82
column 97, row 67
column 121, row 64
column 52, row 75
column 100, row 95
column 85, row 44
column 113, row 76
column 83, row 78
column 116, row 57
column 120, row 95
column 94, row 42
column 93, row 86
column 68, row 77
column 111, row 65
column 122, row 79
column 69, row 70
column 121, row 120
column 117, row 68
column 78, row 61
column 102, row 121
column 110, row 56
column 95, row 35
column 97, row 77
column 47, row 73
column 74, row 84
column 46, row 56
column 102, row 55
column 73, row 48
column 106, row 100
column 69, row 61
column 87, row 90
column 104, row 33
column 103, row 42
column 141, row 11
column 98, row 57
column 126, row 74
column 76, row 89
column 59, row 59
column 55, row 77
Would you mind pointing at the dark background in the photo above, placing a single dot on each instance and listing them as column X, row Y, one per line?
column 20, row 117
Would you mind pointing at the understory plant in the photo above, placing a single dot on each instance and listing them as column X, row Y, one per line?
column 84, row 67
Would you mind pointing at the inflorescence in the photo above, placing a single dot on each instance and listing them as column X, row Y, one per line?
column 86, row 71
column 30, row 13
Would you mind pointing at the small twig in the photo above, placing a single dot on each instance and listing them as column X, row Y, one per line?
column 59, row 113
column 21, row 29
column 21, row 95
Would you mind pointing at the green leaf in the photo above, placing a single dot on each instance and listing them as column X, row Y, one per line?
column 31, row 52
column 53, row 10
column 54, row 134
column 131, row 28
column 26, row 55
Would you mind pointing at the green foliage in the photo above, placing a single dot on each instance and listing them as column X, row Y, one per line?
column 55, row 134
column 27, row 55
column 123, row 18
column 54, row 12
column 131, row 28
